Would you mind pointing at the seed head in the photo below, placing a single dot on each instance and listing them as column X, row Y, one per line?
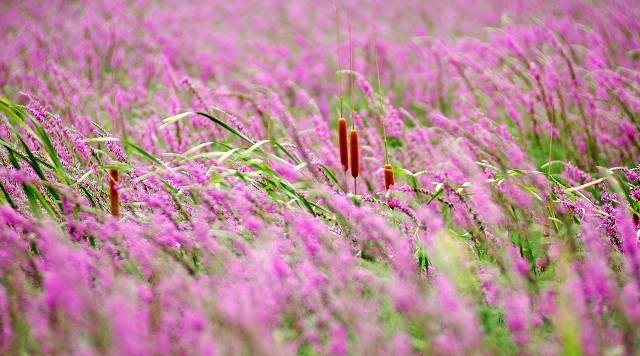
column 355, row 153
column 388, row 176
column 113, row 192
column 342, row 140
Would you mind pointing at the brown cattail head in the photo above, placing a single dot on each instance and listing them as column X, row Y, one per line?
column 342, row 140
column 113, row 192
column 355, row 153
column 388, row 176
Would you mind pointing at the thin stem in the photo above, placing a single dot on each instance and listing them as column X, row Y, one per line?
column 346, row 184
column 338, row 44
column 353, row 120
column 550, row 145
column 393, row 219
column 384, row 131
column 355, row 186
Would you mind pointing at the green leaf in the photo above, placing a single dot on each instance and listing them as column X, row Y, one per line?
column 34, row 196
column 277, row 144
column 226, row 126
column 329, row 173
column 12, row 159
column 202, row 145
column 117, row 167
column 299, row 167
column 44, row 202
column 83, row 177
column 16, row 114
column 438, row 192
column 36, row 167
column 626, row 193
column 13, row 151
column 256, row 146
column 144, row 153
column 227, row 155
column 206, row 155
column 172, row 119
column 101, row 139
column 32, row 161
column 8, row 196
column 33, row 201
column 53, row 154
column 414, row 181
column 89, row 196
column 551, row 163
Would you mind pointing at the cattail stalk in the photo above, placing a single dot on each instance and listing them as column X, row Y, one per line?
column 355, row 153
column 113, row 192
column 353, row 140
column 335, row 3
column 384, row 130
column 342, row 140
column 353, row 103
column 389, row 179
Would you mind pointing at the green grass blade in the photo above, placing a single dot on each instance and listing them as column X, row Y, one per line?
column 329, row 173
column 144, row 152
column 277, row 144
column 172, row 119
column 53, row 154
column 8, row 196
column 226, row 126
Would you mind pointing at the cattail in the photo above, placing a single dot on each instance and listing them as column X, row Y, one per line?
column 388, row 176
column 355, row 153
column 113, row 192
column 342, row 140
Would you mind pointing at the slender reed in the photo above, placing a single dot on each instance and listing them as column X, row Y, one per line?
column 335, row 3
column 389, row 178
column 353, row 139
column 353, row 120
column 342, row 122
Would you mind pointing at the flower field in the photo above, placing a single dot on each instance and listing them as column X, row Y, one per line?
column 301, row 177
